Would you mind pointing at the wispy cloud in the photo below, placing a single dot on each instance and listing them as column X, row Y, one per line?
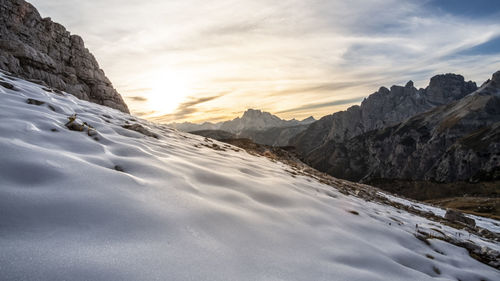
column 280, row 55
column 187, row 108
column 136, row 98
column 310, row 106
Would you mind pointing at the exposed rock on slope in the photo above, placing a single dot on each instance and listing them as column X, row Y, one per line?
column 456, row 142
column 381, row 109
column 39, row 49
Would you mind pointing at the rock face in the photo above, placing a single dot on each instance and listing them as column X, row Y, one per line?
column 459, row 141
column 381, row 109
column 39, row 49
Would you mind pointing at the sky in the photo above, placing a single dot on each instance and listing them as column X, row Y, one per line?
column 198, row 60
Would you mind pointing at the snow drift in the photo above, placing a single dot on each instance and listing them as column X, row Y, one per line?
column 110, row 203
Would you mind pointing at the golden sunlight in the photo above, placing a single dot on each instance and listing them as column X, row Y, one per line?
column 168, row 90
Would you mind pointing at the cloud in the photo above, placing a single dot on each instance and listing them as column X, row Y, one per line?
column 136, row 98
column 265, row 51
column 325, row 87
column 144, row 113
column 187, row 108
column 322, row 105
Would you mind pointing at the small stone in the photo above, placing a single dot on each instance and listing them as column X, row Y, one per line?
column 35, row 102
column 7, row 85
column 140, row 129
column 456, row 216
column 119, row 168
column 59, row 92
column 74, row 126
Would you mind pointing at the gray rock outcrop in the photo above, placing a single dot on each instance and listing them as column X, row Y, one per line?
column 459, row 141
column 36, row 48
column 381, row 109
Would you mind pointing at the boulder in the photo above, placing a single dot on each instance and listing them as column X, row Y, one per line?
column 39, row 49
column 456, row 216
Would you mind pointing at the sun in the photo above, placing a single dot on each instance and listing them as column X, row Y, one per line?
column 168, row 91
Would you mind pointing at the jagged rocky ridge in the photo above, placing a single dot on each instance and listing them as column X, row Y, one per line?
column 36, row 48
column 381, row 109
column 459, row 141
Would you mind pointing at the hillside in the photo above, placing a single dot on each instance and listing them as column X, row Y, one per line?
column 456, row 142
column 91, row 193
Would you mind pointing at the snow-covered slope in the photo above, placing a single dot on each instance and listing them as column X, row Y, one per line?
column 119, row 205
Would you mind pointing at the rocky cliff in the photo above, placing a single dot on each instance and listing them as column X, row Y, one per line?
column 381, row 109
column 37, row 48
column 459, row 141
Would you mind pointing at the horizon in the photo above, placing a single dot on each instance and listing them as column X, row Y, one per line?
column 241, row 115
column 197, row 62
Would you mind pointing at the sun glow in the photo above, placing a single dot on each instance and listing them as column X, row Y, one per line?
column 168, row 91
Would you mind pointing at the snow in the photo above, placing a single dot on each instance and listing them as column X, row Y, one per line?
column 181, row 210
column 487, row 223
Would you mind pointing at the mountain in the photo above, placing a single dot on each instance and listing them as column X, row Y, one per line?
column 91, row 193
column 455, row 142
column 251, row 119
column 259, row 126
column 38, row 49
column 381, row 109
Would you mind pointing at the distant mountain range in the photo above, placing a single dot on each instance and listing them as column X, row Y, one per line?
column 446, row 133
column 259, row 126
column 383, row 108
